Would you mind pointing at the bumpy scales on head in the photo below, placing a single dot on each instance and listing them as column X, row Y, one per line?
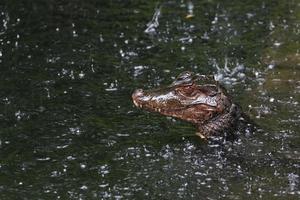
column 194, row 98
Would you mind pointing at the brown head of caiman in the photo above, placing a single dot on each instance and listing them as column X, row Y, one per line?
column 194, row 98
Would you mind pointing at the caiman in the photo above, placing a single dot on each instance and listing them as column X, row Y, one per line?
column 195, row 98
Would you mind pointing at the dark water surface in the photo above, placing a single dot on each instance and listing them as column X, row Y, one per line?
column 68, row 128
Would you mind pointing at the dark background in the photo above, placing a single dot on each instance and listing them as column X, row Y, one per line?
column 68, row 128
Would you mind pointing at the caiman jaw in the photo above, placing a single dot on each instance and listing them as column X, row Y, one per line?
column 137, row 94
column 140, row 105
column 196, row 113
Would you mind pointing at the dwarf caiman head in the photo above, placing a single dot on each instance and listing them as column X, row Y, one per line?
column 191, row 97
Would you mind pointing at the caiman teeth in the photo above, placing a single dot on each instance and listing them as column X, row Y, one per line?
column 135, row 103
column 157, row 109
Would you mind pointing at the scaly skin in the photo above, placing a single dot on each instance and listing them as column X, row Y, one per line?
column 205, row 104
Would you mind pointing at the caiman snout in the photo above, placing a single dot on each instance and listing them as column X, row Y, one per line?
column 136, row 95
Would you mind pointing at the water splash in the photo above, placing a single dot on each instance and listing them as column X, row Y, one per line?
column 293, row 181
column 153, row 24
column 5, row 22
column 229, row 75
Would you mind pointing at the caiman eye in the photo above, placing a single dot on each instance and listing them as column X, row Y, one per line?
column 187, row 91
column 185, row 78
column 185, row 75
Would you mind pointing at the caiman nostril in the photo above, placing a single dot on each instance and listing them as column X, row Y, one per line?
column 137, row 92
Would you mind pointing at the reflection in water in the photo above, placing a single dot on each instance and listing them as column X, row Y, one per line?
column 68, row 126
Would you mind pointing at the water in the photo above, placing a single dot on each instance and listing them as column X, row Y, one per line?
column 70, row 131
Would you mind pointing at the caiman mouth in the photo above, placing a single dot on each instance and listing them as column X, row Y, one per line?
column 194, row 113
column 151, row 108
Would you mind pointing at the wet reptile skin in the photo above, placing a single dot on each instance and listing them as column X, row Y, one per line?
column 194, row 98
